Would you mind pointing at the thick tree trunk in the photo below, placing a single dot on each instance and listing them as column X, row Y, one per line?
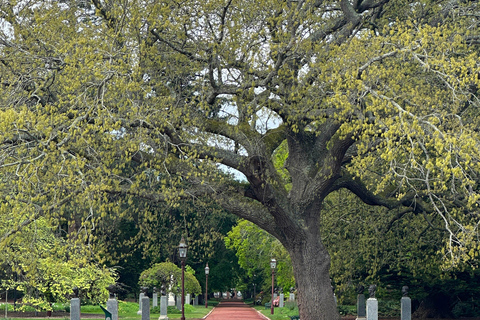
column 311, row 266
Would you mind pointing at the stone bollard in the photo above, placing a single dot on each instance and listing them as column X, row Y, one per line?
column 145, row 302
column 163, row 303
column 155, row 297
column 75, row 306
column 112, row 303
column 163, row 308
column 406, row 305
column 281, row 302
column 372, row 304
column 179, row 302
column 171, row 299
column 75, row 309
column 140, row 297
column 361, row 306
column 112, row 306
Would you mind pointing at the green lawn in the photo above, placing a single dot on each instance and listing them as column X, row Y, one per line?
column 278, row 313
column 128, row 311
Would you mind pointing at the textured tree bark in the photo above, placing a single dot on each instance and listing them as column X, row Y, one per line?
column 311, row 265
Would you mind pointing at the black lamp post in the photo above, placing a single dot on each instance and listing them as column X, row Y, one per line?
column 182, row 251
column 273, row 265
column 207, row 271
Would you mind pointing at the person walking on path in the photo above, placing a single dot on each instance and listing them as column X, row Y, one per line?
column 234, row 310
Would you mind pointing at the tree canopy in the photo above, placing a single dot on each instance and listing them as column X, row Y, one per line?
column 151, row 99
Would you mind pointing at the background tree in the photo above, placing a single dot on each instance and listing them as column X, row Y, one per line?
column 149, row 233
column 169, row 275
column 144, row 99
column 224, row 271
column 254, row 248
column 372, row 245
column 45, row 266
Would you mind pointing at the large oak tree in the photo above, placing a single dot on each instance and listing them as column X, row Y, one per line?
column 108, row 98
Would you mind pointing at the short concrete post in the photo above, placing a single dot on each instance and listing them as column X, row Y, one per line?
column 361, row 306
column 75, row 309
column 372, row 304
column 155, row 298
column 163, row 308
column 372, row 309
column 145, row 302
column 171, row 299
column 140, row 302
column 112, row 306
column 179, row 302
column 406, row 305
column 281, row 302
column 406, row 311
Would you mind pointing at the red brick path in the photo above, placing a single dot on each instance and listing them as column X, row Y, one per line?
column 234, row 310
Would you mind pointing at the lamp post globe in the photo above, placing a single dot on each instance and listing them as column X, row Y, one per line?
column 182, row 249
column 273, row 263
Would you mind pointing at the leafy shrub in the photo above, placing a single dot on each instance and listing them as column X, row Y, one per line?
column 291, row 305
column 9, row 307
column 346, row 309
column 189, row 308
column 266, row 299
column 173, row 310
column 389, row 308
column 466, row 309
column 24, row 308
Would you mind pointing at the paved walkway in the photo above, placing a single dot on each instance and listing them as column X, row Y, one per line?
column 234, row 310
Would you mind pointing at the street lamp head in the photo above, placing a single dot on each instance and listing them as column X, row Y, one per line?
column 273, row 263
column 182, row 249
column 207, row 269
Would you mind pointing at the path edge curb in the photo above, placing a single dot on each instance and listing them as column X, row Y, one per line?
column 262, row 315
column 209, row 313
